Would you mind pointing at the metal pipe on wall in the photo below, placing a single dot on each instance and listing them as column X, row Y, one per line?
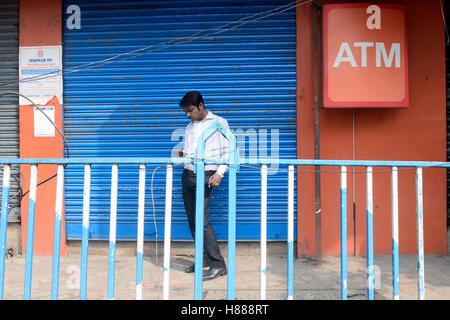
column 317, row 195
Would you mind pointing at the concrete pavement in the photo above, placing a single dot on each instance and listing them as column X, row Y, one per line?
column 311, row 282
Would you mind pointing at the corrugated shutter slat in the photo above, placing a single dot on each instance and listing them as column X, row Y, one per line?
column 9, row 105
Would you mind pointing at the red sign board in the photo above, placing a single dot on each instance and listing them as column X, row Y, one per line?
column 365, row 56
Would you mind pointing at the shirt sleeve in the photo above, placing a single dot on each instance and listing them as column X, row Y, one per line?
column 185, row 144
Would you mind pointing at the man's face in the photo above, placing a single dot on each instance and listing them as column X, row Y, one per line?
column 194, row 113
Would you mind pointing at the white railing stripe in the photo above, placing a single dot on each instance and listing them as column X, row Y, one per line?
column 167, row 231
column 112, row 230
column 140, row 233
column 263, row 230
column 395, row 240
column 85, row 235
column 420, row 250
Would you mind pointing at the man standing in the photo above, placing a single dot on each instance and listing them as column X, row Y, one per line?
column 216, row 147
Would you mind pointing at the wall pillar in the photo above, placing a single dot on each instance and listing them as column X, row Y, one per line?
column 40, row 26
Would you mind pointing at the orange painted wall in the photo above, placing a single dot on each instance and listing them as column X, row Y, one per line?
column 40, row 22
column 415, row 133
column 40, row 25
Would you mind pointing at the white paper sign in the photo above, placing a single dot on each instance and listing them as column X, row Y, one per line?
column 40, row 79
column 42, row 126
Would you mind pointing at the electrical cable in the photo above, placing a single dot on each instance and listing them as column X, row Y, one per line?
column 180, row 40
column 156, row 227
column 154, row 211
column 445, row 22
column 34, row 104
column 59, row 131
column 18, row 194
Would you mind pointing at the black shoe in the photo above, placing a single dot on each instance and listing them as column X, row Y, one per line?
column 191, row 268
column 213, row 273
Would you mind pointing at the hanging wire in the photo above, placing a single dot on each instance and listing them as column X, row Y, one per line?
column 445, row 22
column 168, row 44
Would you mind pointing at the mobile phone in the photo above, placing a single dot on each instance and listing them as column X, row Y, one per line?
column 178, row 153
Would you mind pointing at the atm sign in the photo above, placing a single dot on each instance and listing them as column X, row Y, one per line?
column 365, row 60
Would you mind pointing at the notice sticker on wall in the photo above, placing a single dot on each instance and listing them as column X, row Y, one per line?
column 42, row 126
column 40, row 74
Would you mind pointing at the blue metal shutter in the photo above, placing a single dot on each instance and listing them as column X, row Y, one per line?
column 130, row 108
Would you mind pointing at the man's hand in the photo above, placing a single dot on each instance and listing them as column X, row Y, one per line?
column 214, row 180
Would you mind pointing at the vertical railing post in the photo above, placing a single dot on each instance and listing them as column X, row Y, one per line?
column 420, row 249
column 343, row 233
column 369, row 213
column 167, row 231
column 199, row 225
column 112, row 231
column 263, row 230
column 231, row 278
column 140, row 233
column 199, row 167
column 57, row 231
column 85, row 235
column 395, row 248
column 4, row 224
column 30, row 232
column 290, row 258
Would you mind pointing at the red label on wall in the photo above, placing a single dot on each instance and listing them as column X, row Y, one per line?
column 365, row 60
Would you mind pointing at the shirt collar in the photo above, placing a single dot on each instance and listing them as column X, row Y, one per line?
column 209, row 116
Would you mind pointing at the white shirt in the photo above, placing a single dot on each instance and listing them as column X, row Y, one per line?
column 216, row 146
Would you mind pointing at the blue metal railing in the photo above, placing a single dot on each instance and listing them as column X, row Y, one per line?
column 199, row 162
column 291, row 163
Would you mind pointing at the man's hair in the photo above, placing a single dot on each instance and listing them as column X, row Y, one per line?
column 191, row 98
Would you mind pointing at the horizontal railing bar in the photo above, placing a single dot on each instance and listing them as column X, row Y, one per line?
column 309, row 162
column 97, row 161
column 360, row 163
